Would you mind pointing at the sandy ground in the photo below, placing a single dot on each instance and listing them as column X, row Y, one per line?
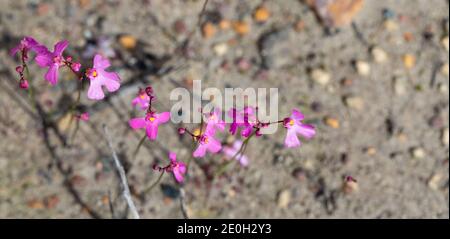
column 385, row 127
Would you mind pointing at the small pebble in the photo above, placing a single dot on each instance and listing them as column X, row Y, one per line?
column 363, row 68
column 261, row 14
column 320, row 76
column 224, row 24
column 208, row 30
column 299, row 174
column 399, row 86
column 444, row 42
column 284, row 197
column 332, row 122
column 371, row 151
column 418, row 153
column 443, row 88
column 316, row 106
column 354, row 102
column 409, row 61
column 379, row 55
column 220, row 49
column 350, row 186
column 241, row 27
column 435, row 181
column 390, row 25
column 445, row 137
column 179, row 27
column 128, row 42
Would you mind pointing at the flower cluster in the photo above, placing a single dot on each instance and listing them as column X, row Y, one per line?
column 205, row 137
column 54, row 60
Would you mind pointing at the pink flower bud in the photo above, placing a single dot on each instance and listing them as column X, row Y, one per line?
column 149, row 90
column 69, row 59
column 181, row 131
column 76, row 66
column 19, row 69
column 23, row 84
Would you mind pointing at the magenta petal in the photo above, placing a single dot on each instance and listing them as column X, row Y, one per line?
column 200, row 151
column 44, row 59
column 13, row 51
column 182, row 167
column 172, row 157
column 296, row 114
column 306, row 130
column 163, row 117
column 291, row 139
column 101, row 62
column 52, row 75
column 247, row 131
column 60, row 47
column 178, row 176
column 95, row 91
column 152, row 131
column 110, row 83
column 214, row 146
column 137, row 123
column 233, row 128
column 243, row 160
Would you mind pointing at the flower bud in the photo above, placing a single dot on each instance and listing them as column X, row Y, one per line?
column 181, row 131
column 23, row 84
column 19, row 69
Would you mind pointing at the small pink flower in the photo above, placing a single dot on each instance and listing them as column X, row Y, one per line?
column 83, row 116
column 53, row 60
column 178, row 168
column 214, row 121
column 230, row 152
column 100, row 77
column 294, row 126
column 25, row 45
column 244, row 119
column 142, row 99
column 150, row 122
column 207, row 142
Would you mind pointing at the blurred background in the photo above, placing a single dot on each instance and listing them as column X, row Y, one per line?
column 372, row 76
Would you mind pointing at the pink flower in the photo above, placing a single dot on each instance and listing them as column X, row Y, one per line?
column 294, row 126
column 178, row 167
column 150, row 122
column 75, row 66
column 230, row 152
column 214, row 121
column 25, row 45
column 142, row 99
column 244, row 119
column 53, row 60
column 100, row 77
column 84, row 116
column 207, row 142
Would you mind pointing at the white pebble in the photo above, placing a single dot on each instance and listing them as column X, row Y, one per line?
column 320, row 76
column 363, row 68
column 220, row 49
column 418, row 153
column 379, row 55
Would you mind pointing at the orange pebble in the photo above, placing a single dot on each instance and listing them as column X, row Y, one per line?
column 241, row 27
column 261, row 14
column 208, row 30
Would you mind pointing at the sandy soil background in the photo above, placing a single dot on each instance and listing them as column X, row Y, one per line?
column 376, row 89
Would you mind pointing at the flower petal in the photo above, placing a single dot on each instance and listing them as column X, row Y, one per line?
column 291, row 139
column 200, row 151
column 163, row 117
column 213, row 145
column 44, row 59
column 95, row 91
column 60, row 47
column 152, row 131
column 110, row 80
column 178, row 175
column 101, row 62
column 52, row 74
column 172, row 156
column 308, row 131
column 296, row 114
column 137, row 123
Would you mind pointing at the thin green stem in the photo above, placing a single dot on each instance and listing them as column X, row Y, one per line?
column 141, row 142
column 147, row 190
